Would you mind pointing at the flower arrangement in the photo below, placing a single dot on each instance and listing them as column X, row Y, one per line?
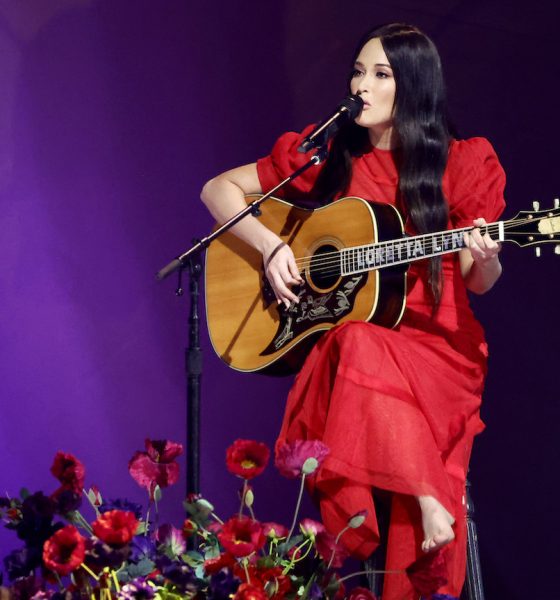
column 125, row 555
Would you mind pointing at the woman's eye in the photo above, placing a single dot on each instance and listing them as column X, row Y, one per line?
column 381, row 75
column 356, row 73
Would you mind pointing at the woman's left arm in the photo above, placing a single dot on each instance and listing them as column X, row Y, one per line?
column 480, row 264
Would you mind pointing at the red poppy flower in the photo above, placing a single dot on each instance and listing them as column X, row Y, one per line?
column 157, row 465
column 241, row 536
column 291, row 457
column 115, row 527
column 327, row 547
column 428, row 573
column 247, row 458
column 213, row 565
column 361, row 593
column 246, row 591
column 271, row 579
column 64, row 551
column 69, row 471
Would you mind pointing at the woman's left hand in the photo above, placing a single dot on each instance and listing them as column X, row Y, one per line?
column 482, row 247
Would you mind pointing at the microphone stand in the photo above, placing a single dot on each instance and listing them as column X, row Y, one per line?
column 191, row 260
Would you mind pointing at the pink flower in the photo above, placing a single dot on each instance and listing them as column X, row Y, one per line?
column 291, row 457
column 310, row 527
column 277, row 530
column 156, row 466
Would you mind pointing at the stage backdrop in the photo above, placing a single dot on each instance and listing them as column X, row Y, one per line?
column 114, row 113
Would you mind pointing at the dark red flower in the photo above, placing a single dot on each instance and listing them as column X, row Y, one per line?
column 247, row 458
column 157, row 465
column 327, row 547
column 115, row 527
column 428, row 573
column 361, row 593
column 270, row 579
column 246, row 591
column 291, row 457
column 69, row 471
column 242, row 536
column 213, row 565
column 64, row 551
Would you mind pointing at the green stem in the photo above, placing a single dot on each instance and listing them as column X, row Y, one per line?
column 301, row 487
column 293, row 560
column 335, row 545
column 308, row 586
column 243, row 492
column 368, row 572
column 216, row 518
column 79, row 519
column 246, row 571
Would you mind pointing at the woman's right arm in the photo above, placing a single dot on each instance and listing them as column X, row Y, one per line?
column 224, row 197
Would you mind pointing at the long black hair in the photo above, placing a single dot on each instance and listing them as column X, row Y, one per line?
column 421, row 126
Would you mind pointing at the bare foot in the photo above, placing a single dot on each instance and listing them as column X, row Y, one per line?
column 436, row 522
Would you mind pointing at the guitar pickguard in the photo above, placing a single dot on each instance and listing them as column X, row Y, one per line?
column 315, row 306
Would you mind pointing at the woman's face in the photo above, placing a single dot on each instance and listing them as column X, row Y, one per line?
column 373, row 80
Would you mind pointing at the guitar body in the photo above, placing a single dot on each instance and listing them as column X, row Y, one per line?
column 251, row 332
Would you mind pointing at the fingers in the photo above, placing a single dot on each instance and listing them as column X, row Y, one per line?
column 481, row 245
column 282, row 273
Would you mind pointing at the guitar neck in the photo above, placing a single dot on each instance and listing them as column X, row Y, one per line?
column 409, row 249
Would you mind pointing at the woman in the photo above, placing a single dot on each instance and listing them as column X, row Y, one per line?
column 397, row 408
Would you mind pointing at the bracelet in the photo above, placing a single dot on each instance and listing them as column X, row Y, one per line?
column 273, row 254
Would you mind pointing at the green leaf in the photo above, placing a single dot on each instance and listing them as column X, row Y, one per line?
column 142, row 528
column 193, row 559
column 24, row 493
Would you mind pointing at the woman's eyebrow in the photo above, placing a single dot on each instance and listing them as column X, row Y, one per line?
column 359, row 64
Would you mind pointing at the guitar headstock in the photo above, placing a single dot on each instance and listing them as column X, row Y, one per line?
column 531, row 228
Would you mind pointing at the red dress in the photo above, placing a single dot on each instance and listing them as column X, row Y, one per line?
column 397, row 408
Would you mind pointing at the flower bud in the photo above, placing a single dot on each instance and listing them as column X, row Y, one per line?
column 357, row 520
column 310, row 465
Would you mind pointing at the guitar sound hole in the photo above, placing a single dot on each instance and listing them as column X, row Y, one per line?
column 324, row 270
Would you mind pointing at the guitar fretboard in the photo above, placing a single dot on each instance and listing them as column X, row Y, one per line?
column 405, row 250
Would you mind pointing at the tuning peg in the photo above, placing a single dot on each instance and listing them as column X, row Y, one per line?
column 536, row 205
column 557, row 249
column 538, row 251
column 556, row 202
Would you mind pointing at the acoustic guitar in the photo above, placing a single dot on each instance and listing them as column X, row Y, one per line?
column 352, row 255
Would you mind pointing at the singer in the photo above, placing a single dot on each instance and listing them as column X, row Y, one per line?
column 398, row 408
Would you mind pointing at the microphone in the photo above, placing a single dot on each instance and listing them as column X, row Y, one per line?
column 347, row 110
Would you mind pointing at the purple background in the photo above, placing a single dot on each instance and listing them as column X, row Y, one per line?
column 112, row 116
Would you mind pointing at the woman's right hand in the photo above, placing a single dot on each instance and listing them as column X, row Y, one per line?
column 281, row 271
column 224, row 197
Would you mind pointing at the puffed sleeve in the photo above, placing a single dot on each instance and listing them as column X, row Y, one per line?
column 283, row 161
column 476, row 182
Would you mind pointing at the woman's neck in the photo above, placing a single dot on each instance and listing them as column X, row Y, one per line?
column 383, row 139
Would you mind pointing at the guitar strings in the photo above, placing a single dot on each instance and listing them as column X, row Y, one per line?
column 329, row 262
